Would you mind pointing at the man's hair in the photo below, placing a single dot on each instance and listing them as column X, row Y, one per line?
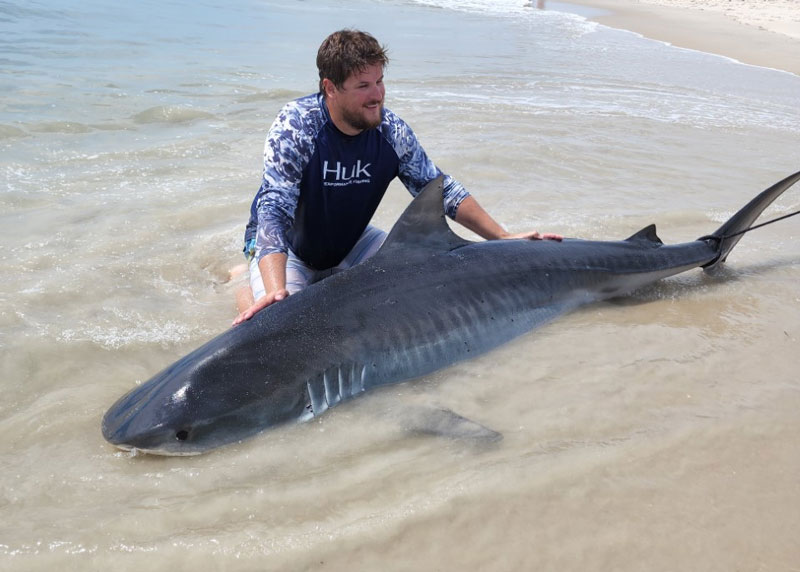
column 346, row 52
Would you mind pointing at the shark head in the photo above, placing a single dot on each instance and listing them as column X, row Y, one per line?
column 221, row 393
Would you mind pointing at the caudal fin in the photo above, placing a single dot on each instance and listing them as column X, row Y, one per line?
column 728, row 234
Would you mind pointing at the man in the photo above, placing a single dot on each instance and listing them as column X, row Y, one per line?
column 328, row 160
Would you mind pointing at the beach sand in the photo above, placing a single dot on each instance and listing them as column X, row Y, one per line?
column 758, row 32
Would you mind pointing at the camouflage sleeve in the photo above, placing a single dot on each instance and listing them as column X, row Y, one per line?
column 287, row 150
column 416, row 168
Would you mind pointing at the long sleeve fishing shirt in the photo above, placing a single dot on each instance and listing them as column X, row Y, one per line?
column 321, row 187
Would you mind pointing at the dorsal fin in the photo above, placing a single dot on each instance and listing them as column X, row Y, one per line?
column 646, row 235
column 422, row 225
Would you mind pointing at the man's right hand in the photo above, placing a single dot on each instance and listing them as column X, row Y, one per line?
column 260, row 304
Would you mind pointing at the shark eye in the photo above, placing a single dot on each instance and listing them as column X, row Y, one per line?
column 182, row 435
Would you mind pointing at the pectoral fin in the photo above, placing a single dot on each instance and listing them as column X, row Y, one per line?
column 444, row 422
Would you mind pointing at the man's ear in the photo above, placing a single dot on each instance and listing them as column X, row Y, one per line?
column 328, row 87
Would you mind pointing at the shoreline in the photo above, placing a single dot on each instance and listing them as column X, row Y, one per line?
column 707, row 30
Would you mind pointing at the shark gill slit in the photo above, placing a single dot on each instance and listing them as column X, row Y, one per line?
column 331, row 384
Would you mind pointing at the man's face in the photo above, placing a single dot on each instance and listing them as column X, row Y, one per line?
column 358, row 104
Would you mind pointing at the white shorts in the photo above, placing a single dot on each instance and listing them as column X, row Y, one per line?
column 299, row 274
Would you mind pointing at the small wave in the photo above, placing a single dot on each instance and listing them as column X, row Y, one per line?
column 271, row 95
column 60, row 127
column 170, row 114
column 504, row 7
column 116, row 337
column 10, row 132
column 110, row 126
column 124, row 328
column 573, row 20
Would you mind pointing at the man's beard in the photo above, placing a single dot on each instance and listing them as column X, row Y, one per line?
column 360, row 121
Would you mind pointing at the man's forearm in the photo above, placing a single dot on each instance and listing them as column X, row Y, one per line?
column 472, row 216
column 273, row 272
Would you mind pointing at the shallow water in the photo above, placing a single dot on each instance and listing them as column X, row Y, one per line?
column 657, row 432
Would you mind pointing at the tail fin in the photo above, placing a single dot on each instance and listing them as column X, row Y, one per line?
column 728, row 234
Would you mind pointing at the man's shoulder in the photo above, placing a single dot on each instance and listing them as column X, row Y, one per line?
column 392, row 120
column 292, row 139
column 307, row 104
column 397, row 132
column 303, row 114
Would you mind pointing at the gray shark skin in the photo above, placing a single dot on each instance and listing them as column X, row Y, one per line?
column 426, row 300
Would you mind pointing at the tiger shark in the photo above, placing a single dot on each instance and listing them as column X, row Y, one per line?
column 427, row 299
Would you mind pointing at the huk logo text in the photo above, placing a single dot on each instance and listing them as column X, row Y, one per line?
column 342, row 173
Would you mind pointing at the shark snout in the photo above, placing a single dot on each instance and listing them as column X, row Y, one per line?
column 137, row 420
